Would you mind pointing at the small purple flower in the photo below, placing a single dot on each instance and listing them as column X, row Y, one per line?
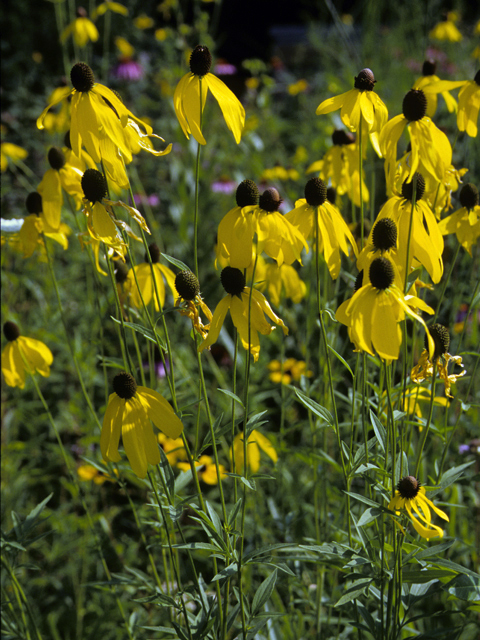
column 463, row 449
column 223, row 68
column 128, row 70
column 153, row 200
column 224, row 186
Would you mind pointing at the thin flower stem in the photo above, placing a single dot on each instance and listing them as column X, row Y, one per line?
column 429, row 420
column 197, row 179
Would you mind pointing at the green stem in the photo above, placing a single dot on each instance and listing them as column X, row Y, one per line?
column 429, row 420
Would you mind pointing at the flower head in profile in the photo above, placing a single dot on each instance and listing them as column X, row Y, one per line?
column 238, row 301
column 417, row 221
column 469, row 106
column 23, row 355
column 129, row 411
column 280, row 282
column 101, row 221
column 30, row 236
column 360, row 104
column 236, row 229
column 447, row 29
column 191, row 94
column 465, row 222
column 276, row 235
column 382, row 242
column 340, row 167
column 315, row 214
column 147, row 282
column 428, row 78
column 62, row 176
column 375, row 310
column 410, row 495
column 427, row 141
column 98, row 116
column 189, row 301
column 255, row 442
column 439, row 361
column 82, row 30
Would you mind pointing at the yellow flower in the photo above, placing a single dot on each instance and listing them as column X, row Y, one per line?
column 82, row 29
column 23, row 355
column 375, row 310
column 411, row 496
column 428, row 143
column 129, row 411
column 97, row 115
column 58, row 122
column 173, row 447
column 468, row 106
column 11, row 153
column 190, row 300
column 465, row 222
column 447, row 29
column 359, row 104
column 206, row 469
column 280, row 239
column 60, row 176
column 255, row 442
column 143, row 22
column 140, row 280
column 382, row 242
column 116, row 7
column 195, row 85
column 280, row 282
column 290, row 369
column 425, row 81
column 238, row 301
column 426, row 242
column 236, row 229
column 441, row 358
column 297, row 87
column 316, row 212
column 101, row 222
column 340, row 167
column 87, row 472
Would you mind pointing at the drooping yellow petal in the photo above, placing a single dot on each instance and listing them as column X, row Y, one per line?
column 331, row 104
column 37, row 354
column 134, row 416
column 231, row 107
column 63, row 93
column 111, row 428
column 13, row 367
column 384, row 328
column 217, row 323
column 264, row 444
column 160, row 412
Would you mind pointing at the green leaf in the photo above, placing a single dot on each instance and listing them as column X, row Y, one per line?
column 263, row 593
column 456, row 567
column 450, row 476
column 356, row 589
column 194, row 546
column 216, row 522
column 231, row 395
column 369, row 516
column 314, row 407
column 178, row 263
column 167, row 473
column 429, row 551
column 147, row 333
column 379, row 431
column 342, row 360
column 418, row 577
column 234, row 512
column 228, row 572
column 464, row 587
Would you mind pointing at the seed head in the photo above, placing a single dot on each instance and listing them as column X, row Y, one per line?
column 94, row 185
column 233, row 281
column 56, row 158
column 187, row 285
column 124, row 385
column 34, row 202
column 381, row 273
column 441, row 338
column 200, row 60
column 384, row 234
column 270, row 200
column 408, row 487
column 414, row 105
column 11, row 331
column 82, row 77
column 407, row 188
column 429, row 67
column 247, row 193
column 315, row 192
column 469, row 196
column 365, row 80
column 341, row 137
column 154, row 252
